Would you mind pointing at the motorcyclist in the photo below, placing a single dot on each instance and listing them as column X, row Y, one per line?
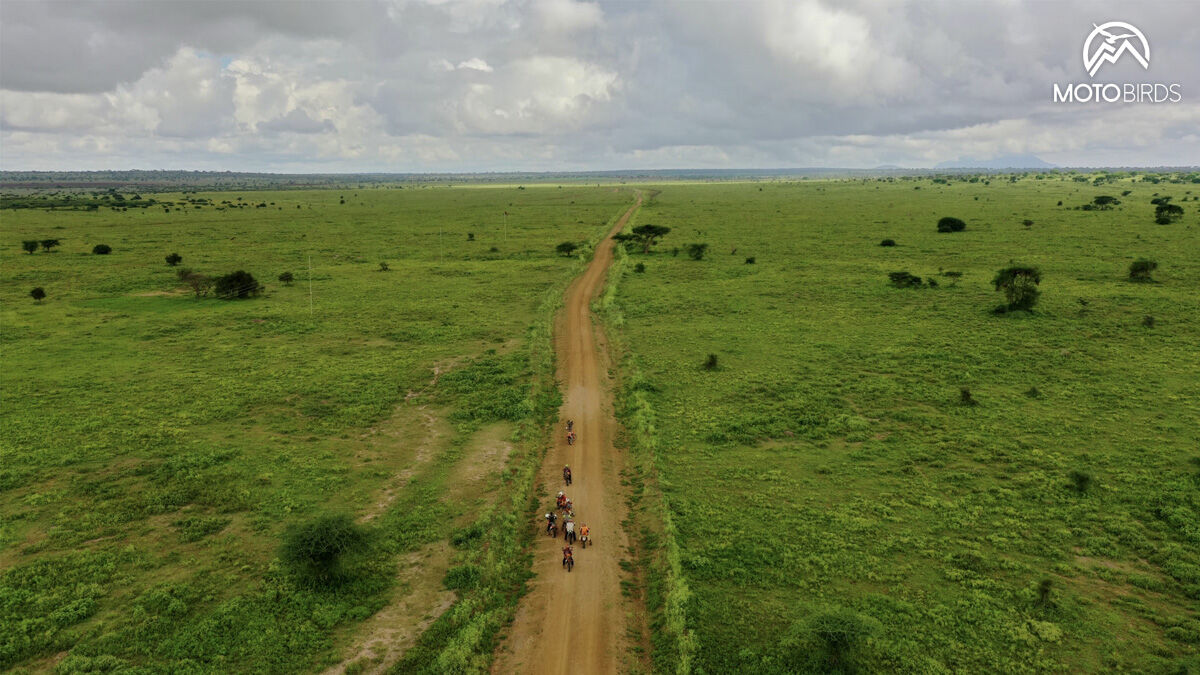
column 567, row 474
column 550, row 518
column 569, row 530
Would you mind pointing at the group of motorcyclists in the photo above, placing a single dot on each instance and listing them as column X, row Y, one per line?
column 563, row 505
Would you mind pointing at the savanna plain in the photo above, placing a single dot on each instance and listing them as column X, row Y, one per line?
column 840, row 455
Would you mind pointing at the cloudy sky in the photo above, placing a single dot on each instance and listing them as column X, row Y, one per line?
column 493, row 85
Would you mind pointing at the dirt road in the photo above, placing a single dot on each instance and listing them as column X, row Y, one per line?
column 575, row 621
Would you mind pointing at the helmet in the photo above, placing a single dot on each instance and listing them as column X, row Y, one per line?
column 547, row 515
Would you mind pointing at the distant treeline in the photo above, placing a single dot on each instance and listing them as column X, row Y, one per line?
column 168, row 181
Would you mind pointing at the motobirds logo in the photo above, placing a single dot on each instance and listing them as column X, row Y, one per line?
column 1109, row 43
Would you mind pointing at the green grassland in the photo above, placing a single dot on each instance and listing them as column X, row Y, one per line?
column 155, row 446
column 828, row 463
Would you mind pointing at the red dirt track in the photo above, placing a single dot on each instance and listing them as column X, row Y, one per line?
column 575, row 622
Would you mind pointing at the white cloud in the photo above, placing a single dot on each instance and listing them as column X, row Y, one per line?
column 545, row 84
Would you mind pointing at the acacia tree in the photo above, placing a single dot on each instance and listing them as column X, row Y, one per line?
column 30, row 245
column 566, row 248
column 174, row 259
column 37, row 294
column 646, row 235
column 1019, row 283
column 49, row 244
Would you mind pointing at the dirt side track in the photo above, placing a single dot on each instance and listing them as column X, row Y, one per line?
column 575, row 622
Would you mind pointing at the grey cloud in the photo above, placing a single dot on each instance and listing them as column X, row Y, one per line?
column 297, row 121
column 516, row 84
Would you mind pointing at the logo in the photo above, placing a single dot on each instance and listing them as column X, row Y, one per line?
column 1117, row 38
column 1109, row 43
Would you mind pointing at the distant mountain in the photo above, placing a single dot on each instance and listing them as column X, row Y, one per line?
column 888, row 167
column 1002, row 162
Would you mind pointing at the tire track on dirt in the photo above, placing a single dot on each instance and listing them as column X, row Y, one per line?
column 576, row 621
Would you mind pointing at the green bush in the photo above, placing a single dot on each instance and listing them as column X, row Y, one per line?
column 236, row 285
column 38, row 294
column 462, row 577
column 566, row 248
column 697, row 251
column 639, row 268
column 949, row 224
column 1081, row 481
column 1140, row 269
column 101, row 249
column 829, row 642
column 888, row 242
column 174, row 259
column 316, row 551
column 904, row 280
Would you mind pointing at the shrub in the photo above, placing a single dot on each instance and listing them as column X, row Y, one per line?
column 383, row 267
column 1106, row 201
column 237, row 285
column 697, row 251
column 1020, row 286
column 470, row 236
column 711, row 362
column 639, row 268
column 949, row 224
column 1033, row 393
column 888, row 242
column 287, row 278
column 174, row 259
column 1171, row 212
column 101, row 249
column 199, row 283
column 750, row 260
column 1140, row 269
column 1081, row 481
column 566, row 248
column 1148, row 321
column 828, row 642
column 38, row 294
column 1027, row 222
column 29, row 245
column 1162, row 220
column 904, row 280
column 1045, row 586
column 462, row 577
column 316, row 551
column 965, row 397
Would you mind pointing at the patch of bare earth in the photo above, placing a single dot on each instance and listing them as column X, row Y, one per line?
column 414, row 432
column 419, row 599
